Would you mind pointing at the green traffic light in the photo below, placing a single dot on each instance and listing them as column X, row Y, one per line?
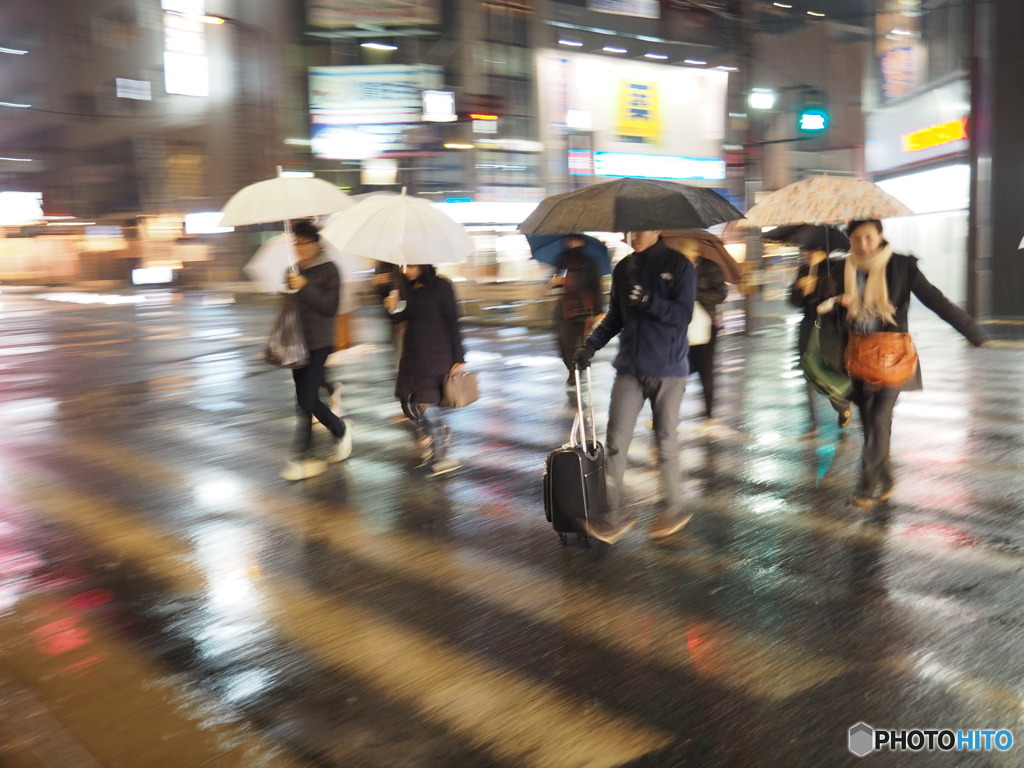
column 812, row 120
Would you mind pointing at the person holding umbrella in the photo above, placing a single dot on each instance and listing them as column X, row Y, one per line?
column 580, row 301
column 808, row 290
column 874, row 286
column 431, row 350
column 316, row 284
column 652, row 297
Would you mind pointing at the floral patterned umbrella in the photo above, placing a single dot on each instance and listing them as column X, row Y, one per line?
column 825, row 200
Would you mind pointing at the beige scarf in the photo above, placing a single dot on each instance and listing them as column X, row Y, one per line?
column 875, row 301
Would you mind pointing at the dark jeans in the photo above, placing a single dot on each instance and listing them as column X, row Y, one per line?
column 308, row 381
column 702, row 362
column 570, row 338
column 876, row 416
column 424, row 428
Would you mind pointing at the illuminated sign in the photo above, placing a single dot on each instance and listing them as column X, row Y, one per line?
column 620, row 164
column 639, row 116
column 934, row 136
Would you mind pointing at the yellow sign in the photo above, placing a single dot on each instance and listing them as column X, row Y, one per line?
column 934, row 136
column 639, row 113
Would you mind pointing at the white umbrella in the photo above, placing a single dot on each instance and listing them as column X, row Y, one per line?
column 281, row 199
column 268, row 265
column 400, row 230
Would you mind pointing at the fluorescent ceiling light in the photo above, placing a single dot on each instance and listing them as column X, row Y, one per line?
column 14, row 105
column 699, row 62
column 725, row 68
column 613, row 49
column 782, row 5
column 13, row 51
column 655, row 56
column 573, row 43
column 901, row 32
column 815, row 13
column 380, row 46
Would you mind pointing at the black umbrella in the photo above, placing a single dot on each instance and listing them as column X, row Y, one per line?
column 810, row 237
column 630, row 205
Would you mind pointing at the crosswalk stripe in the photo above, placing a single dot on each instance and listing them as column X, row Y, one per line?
column 113, row 706
column 768, row 672
column 498, row 709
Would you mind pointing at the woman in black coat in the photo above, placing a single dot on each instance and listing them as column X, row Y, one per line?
column 431, row 350
column 874, row 289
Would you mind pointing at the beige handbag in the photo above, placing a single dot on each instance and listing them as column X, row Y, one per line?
column 459, row 389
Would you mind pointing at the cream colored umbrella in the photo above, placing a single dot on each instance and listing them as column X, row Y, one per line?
column 825, row 200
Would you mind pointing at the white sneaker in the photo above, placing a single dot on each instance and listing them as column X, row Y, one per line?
column 342, row 446
column 302, row 470
column 443, row 467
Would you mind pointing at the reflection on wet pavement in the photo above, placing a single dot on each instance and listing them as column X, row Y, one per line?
column 165, row 600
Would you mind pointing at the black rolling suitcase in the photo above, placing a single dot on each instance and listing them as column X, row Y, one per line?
column 574, row 476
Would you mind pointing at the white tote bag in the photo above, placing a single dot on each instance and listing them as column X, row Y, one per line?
column 699, row 330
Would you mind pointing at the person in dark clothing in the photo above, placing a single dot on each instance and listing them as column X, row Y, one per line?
column 580, row 302
column 711, row 291
column 652, row 297
column 874, row 290
column 316, row 286
column 813, row 284
column 432, row 349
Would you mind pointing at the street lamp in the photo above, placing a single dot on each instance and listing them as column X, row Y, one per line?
column 761, row 98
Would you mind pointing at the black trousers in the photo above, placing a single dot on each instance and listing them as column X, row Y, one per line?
column 876, row 407
column 702, row 362
column 570, row 338
column 308, row 381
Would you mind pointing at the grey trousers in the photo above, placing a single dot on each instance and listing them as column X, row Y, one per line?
column 628, row 396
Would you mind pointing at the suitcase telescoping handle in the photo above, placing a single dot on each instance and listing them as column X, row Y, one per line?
column 580, row 419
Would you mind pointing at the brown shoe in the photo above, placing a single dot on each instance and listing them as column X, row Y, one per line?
column 607, row 532
column 668, row 524
column 863, row 503
column 886, row 493
column 844, row 418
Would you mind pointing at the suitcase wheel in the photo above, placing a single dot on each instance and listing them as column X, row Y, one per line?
column 584, row 539
column 563, row 538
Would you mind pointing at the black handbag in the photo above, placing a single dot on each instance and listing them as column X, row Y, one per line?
column 286, row 345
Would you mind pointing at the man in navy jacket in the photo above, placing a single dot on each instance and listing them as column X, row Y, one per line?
column 652, row 296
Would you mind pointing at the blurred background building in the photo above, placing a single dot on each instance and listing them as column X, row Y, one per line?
column 123, row 121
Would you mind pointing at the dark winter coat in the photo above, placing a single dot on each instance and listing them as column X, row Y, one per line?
column 904, row 279
column 652, row 341
column 581, row 289
column 711, row 287
column 825, row 288
column 432, row 342
column 318, row 302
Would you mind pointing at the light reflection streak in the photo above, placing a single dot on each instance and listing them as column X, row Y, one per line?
column 92, row 298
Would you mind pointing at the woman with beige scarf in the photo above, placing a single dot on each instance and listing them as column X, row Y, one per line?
column 875, row 286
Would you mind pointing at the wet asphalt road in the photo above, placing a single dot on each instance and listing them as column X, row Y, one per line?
column 167, row 601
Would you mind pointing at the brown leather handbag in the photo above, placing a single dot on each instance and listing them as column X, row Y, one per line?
column 884, row 359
